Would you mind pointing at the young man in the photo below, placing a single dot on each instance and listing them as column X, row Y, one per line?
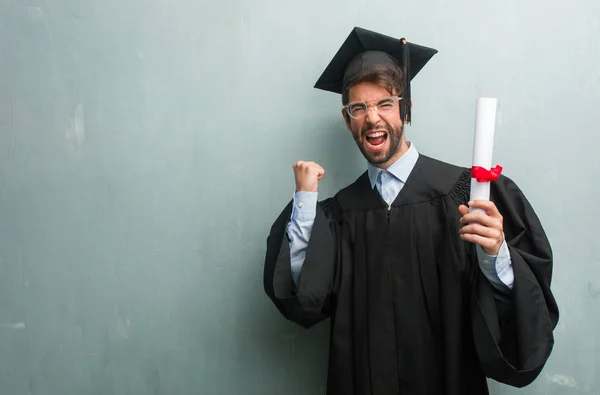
column 425, row 296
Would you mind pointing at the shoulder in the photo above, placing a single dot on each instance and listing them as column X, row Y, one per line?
column 455, row 181
column 438, row 178
column 331, row 208
column 439, row 172
column 505, row 189
column 351, row 197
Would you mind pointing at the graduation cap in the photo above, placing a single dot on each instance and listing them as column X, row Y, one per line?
column 366, row 50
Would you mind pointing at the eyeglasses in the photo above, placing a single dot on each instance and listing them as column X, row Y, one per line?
column 359, row 109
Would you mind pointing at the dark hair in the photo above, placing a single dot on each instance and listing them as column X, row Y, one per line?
column 391, row 79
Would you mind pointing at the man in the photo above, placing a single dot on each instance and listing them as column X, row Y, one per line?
column 425, row 295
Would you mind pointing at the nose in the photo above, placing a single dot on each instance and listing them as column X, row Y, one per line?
column 372, row 115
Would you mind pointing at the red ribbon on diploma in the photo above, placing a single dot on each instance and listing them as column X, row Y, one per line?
column 483, row 175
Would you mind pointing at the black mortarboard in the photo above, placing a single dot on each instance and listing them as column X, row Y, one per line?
column 364, row 50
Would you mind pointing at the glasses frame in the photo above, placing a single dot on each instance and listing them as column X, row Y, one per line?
column 347, row 106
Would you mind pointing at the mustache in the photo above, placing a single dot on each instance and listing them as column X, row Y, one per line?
column 369, row 126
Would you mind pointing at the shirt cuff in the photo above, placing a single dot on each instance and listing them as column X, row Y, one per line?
column 498, row 266
column 305, row 206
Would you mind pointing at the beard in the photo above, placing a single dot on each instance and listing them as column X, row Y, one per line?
column 394, row 138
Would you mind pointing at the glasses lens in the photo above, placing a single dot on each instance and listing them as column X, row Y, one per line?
column 357, row 109
column 386, row 105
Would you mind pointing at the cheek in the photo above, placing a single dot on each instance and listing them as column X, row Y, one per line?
column 394, row 122
column 356, row 127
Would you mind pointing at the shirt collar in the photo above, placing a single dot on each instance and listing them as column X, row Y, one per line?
column 400, row 169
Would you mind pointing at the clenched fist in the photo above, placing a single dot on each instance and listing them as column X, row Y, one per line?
column 308, row 175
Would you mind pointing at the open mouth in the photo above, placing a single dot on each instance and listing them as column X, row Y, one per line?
column 375, row 140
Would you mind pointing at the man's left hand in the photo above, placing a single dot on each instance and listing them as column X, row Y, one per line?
column 482, row 227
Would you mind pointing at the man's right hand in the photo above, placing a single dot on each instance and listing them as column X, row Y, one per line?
column 307, row 176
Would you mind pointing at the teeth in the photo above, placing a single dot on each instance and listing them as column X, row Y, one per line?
column 376, row 134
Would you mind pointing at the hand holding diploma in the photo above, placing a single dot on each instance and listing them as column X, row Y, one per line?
column 483, row 226
column 482, row 221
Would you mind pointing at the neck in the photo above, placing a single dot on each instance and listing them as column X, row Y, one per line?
column 402, row 148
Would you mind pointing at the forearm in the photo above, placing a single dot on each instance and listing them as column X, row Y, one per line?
column 299, row 229
column 498, row 270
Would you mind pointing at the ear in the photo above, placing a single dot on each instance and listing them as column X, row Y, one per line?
column 346, row 119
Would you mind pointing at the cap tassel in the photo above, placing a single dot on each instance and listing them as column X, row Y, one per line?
column 406, row 113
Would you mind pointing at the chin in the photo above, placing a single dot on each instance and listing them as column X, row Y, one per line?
column 377, row 159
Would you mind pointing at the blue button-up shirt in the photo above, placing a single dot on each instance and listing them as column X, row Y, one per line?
column 496, row 268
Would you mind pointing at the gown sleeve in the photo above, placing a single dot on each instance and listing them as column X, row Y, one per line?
column 514, row 338
column 314, row 298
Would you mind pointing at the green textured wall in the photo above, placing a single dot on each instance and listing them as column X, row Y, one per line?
column 146, row 147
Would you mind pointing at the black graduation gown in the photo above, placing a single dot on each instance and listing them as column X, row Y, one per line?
column 411, row 312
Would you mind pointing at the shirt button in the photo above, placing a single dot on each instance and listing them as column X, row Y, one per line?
column 385, row 174
column 388, row 201
column 300, row 204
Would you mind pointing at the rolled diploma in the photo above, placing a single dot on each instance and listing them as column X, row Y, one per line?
column 483, row 144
